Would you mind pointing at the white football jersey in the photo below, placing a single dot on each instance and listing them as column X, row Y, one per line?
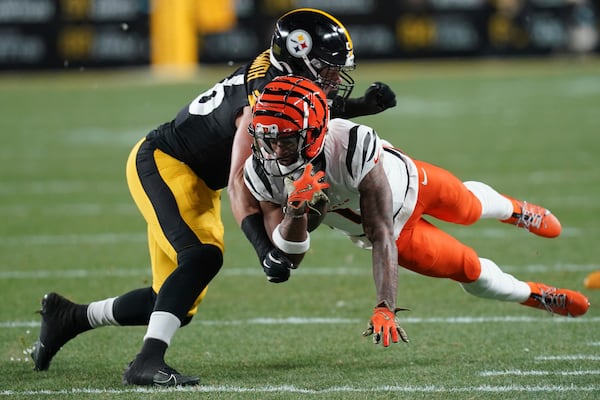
column 351, row 151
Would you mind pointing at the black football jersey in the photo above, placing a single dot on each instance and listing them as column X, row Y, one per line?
column 201, row 135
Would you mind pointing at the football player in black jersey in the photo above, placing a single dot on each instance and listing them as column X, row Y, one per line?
column 175, row 175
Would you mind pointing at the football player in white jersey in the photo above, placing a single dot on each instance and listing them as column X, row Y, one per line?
column 304, row 165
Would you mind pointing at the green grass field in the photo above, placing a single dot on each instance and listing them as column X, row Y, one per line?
column 528, row 128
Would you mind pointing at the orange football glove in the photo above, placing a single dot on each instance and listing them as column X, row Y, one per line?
column 307, row 189
column 385, row 326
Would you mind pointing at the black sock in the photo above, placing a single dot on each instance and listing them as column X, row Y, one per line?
column 134, row 307
column 152, row 352
column 81, row 319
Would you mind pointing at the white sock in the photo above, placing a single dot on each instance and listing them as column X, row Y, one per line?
column 162, row 326
column 100, row 313
column 493, row 204
column 495, row 284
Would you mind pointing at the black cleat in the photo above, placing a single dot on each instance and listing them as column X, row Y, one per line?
column 59, row 325
column 161, row 375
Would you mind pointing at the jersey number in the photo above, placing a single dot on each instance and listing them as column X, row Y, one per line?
column 206, row 102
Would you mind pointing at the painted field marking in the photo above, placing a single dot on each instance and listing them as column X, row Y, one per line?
column 571, row 357
column 337, row 321
column 140, row 237
column 518, row 372
column 305, row 270
column 333, row 389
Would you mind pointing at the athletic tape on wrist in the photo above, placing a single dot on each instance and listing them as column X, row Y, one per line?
column 290, row 247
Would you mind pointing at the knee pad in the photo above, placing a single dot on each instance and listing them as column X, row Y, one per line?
column 205, row 259
column 204, row 254
column 197, row 266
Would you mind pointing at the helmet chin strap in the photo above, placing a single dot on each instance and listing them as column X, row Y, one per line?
column 277, row 64
column 283, row 66
column 316, row 75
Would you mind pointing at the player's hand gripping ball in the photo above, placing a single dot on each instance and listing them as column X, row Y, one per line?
column 305, row 194
column 307, row 190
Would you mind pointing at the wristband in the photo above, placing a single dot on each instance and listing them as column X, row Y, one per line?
column 290, row 247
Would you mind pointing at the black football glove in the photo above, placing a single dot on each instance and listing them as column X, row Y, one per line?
column 277, row 266
column 377, row 98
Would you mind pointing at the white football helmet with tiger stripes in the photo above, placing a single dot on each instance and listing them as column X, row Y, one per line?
column 291, row 109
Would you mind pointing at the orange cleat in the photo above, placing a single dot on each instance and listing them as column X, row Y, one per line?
column 592, row 281
column 557, row 301
column 535, row 219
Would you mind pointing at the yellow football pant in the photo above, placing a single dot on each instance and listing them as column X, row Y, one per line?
column 199, row 211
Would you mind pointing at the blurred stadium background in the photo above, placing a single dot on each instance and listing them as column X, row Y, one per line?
column 74, row 34
column 515, row 105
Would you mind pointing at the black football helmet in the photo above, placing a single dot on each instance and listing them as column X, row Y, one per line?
column 308, row 41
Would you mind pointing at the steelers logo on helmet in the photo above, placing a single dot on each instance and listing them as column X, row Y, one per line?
column 299, row 43
column 313, row 44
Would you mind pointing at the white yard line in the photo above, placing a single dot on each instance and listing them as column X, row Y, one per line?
column 337, row 321
column 251, row 270
column 137, row 237
column 332, row 389
column 569, row 357
column 518, row 372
